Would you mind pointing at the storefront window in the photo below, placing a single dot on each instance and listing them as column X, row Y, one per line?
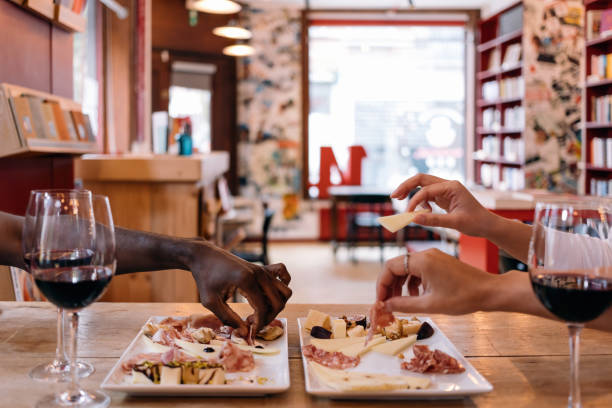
column 399, row 91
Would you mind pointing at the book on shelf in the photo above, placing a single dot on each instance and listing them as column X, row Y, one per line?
column 601, row 152
column 89, row 129
column 49, row 121
column 593, row 24
column 23, row 118
column 605, row 24
column 494, row 60
column 79, row 125
column 60, row 121
column 38, row 119
column 70, row 125
column 601, row 67
column 512, row 56
column 601, row 109
column 601, row 187
column 9, row 136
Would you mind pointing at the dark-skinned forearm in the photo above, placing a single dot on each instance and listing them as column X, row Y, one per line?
column 10, row 244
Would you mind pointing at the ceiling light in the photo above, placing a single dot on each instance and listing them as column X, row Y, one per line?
column 233, row 32
column 239, row 50
column 214, row 6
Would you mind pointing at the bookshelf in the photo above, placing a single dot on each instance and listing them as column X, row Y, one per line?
column 596, row 157
column 59, row 127
column 498, row 156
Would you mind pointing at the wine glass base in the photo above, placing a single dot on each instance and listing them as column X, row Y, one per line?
column 59, row 371
column 82, row 399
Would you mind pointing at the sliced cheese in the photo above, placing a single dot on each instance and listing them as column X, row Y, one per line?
column 254, row 350
column 153, row 347
column 360, row 348
column 140, row 378
column 339, row 328
column 394, row 347
column 396, row 222
column 332, row 345
column 357, row 381
column 410, row 327
column 197, row 349
column 316, row 318
column 357, row 331
column 170, row 375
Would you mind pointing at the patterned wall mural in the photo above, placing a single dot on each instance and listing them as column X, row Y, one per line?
column 554, row 42
column 269, row 105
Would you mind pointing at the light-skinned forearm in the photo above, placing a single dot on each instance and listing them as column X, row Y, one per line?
column 512, row 292
column 510, row 235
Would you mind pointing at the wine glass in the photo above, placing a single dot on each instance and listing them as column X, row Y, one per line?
column 570, row 265
column 73, row 261
column 57, row 370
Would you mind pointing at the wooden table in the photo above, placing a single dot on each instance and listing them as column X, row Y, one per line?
column 525, row 358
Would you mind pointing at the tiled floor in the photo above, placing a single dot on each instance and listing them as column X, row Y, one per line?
column 318, row 277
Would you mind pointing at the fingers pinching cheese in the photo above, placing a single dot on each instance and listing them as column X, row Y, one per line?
column 396, row 222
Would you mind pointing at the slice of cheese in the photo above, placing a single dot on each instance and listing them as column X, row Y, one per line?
column 394, row 347
column 316, row 318
column 357, row 381
column 357, row 331
column 153, row 347
column 359, row 349
column 140, row 378
column 332, row 345
column 339, row 328
column 197, row 349
column 170, row 375
column 254, row 350
column 396, row 222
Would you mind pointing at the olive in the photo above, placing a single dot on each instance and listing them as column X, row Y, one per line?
column 209, row 350
column 425, row 331
column 259, row 346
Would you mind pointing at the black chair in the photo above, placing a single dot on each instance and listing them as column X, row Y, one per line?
column 261, row 257
column 360, row 220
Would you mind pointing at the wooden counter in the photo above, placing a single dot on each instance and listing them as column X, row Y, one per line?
column 155, row 193
column 525, row 358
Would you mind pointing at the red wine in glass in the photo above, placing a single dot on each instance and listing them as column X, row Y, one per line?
column 573, row 298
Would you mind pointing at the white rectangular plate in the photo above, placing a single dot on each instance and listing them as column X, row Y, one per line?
column 273, row 367
column 469, row 382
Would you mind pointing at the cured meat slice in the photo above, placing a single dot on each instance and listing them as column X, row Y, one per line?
column 235, row 359
column 335, row 359
column 211, row 321
column 428, row 361
column 380, row 317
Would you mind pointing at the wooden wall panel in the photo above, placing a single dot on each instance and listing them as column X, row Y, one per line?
column 61, row 63
column 171, row 28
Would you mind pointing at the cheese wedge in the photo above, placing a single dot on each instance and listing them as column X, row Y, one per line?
column 153, row 347
column 396, row 222
column 357, row 331
column 339, row 328
column 357, row 381
column 359, row 349
column 332, row 345
column 316, row 318
column 140, row 378
column 170, row 375
column 394, row 347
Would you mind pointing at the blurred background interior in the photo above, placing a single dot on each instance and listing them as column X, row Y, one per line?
column 277, row 128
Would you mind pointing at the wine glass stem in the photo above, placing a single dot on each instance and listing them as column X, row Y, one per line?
column 74, row 389
column 574, row 348
column 60, row 352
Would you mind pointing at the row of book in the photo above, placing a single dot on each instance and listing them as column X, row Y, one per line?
column 598, row 24
column 514, row 118
column 601, row 109
column 601, row 187
column 601, row 67
column 512, row 57
column 504, row 89
column 601, row 152
column 514, row 149
column 502, row 178
column 39, row 118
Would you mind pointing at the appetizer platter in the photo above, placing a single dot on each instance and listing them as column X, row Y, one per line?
column 198, row 356
column 354, row 357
